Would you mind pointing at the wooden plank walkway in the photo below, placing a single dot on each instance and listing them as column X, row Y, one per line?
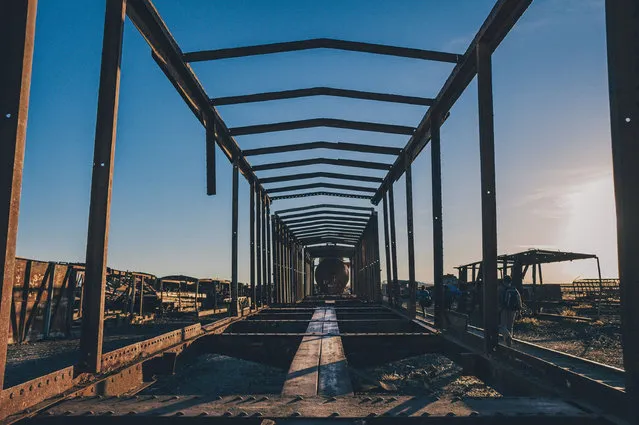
column 319, row 366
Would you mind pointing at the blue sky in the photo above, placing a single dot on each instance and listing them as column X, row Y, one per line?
column 554, row 184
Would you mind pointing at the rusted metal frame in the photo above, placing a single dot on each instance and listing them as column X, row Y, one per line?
column 258, row 246
column 168, row 55
column 321, row 43
column 25, row 322
column 303, row 176
column 340, row 146
column 325, row 211
column 412, row 285
column 622, row 21
column 320, row 184
column 63, row 292
column 438, row 229
column 142, row 296
column 269, row 276
column 393, row 244
column 22, row 326
column 321, row 91
column 499, row 22
column 101, row 186
column 488, row 196
column 322, row 122
column 306, row 195
column 234, row 307
column 264, row 292
column 17, row 30
column 211, row 184
column 48, row 307
column 252, row 245
column 387, row 251
column 132, row 294
column 73, row 274
column 327, row 161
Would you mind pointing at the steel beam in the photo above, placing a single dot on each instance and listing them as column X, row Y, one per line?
column 329, row 226
column 321, row 91
column 234, row 309
column 168, row 56
column 321, row 185
column 499, row 22
column 322, row 122
column 622, row 21
column 294, row 224
column 269, row 284
column 258, row 246
column 303, row 176
column 488, row 197
column 389, row 293
column 17, row 30
column 316, row 206
column 412, row 286
column 337, row 146
column 264, row 292
column 309, row 220
column 319, row 161
column 336, row 194
column 321, row 43
column 252, row 246
column 322, row 232
column 326, row 211
column 393, row 236
column 101, row 186
column 438, row 235
column 210, row 163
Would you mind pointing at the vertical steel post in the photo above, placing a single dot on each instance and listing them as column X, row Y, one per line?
column 276, row 279
column 210, row 161
column 377, row 295
column 141, row 295
column 438, row 237
column 488, row 197
column 264, row 292
column 389, row 293
column 412, row 285
column 269, row 258
column 258, row 246
column 391, row 210
column 17, row 30
column 252, row 245
column 48, row 309
column 622, row 21
column 234, row 308
column 101, row 185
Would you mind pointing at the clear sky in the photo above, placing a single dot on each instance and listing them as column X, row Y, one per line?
column 554, row 182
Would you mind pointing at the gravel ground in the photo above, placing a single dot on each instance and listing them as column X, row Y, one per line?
column 598, row 341
column 428, row 374
column 30, row 360
column 218, row 375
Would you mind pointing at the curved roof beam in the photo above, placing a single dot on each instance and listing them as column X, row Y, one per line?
column 325, row 211
column 305, row 195
column 322, row 122
column 344, row 220
column 316, row 206
column 323, row 185
column 321, row 91
column 320, row 43
column 303, row 176
column 338, row 146
column 327, row 161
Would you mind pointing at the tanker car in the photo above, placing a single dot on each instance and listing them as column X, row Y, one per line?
column 331, row 275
